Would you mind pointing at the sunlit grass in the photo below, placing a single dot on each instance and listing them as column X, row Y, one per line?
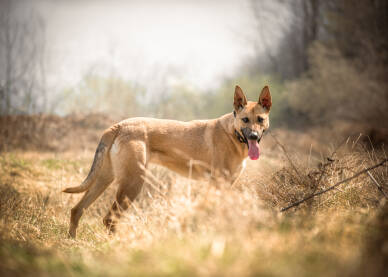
column 178, row 227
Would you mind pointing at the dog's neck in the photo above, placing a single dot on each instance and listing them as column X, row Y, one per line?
column 227, row 122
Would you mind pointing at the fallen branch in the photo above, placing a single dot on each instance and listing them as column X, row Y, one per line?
column 334, row 186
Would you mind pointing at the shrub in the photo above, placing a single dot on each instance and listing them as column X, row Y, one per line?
column 334, row 88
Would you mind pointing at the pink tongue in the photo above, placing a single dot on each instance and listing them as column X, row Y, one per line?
column 253, row 151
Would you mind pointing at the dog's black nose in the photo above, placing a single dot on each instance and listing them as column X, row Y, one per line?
column 253, row 136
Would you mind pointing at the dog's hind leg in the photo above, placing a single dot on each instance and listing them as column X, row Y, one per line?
column 130, row 172
column 88, row 198
column 126, row 193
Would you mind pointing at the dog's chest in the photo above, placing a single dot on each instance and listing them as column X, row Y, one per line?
column 236, row 168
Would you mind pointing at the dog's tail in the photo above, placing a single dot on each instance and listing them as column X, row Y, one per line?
column 102, row 151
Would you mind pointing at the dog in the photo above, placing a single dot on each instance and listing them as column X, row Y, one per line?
column 217, row 148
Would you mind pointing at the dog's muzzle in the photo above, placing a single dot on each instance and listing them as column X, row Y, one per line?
column 252, row 139
column 251, row 135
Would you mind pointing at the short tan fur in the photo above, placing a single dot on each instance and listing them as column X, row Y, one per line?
column 210, row 147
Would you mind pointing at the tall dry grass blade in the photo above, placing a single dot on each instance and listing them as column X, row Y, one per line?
column 151, row 180
column 330, row 160
column 377, row 184
column 356, row 141
column 287, row 156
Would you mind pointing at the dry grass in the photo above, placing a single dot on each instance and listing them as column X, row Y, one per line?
column 51, row 132
column 178, row 227
column 297, row 180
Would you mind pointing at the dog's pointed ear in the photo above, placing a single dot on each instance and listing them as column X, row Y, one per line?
column 265, row 99
column 239, row 99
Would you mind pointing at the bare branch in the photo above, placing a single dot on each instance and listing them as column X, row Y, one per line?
column 295, row 204
column 22, row 55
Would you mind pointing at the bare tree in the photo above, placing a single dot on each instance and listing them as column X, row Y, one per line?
column 299, row 28
column 22, row 48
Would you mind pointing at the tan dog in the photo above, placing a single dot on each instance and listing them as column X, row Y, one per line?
column 216, row 148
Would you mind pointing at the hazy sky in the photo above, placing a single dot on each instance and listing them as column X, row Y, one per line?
column 192, row 41
column 156, row 43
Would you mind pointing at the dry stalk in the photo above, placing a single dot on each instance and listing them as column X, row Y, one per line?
column 330, row 160
column 287, row 156
column 377, row 184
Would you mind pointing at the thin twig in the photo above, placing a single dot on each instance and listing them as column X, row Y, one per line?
column 330, row 161
column 287, row 156
column 377, row 184
column 334, row 186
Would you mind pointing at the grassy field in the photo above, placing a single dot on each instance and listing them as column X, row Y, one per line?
column 179, row 227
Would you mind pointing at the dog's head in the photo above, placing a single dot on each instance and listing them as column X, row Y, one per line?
column 251, row 119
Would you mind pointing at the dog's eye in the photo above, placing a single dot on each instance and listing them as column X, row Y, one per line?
column 245, row 119
column 260, row 119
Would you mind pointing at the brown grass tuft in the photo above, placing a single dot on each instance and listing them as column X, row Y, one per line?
column 296, row 180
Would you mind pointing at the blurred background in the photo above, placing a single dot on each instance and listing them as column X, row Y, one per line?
column 325, row 61
column 69, row 69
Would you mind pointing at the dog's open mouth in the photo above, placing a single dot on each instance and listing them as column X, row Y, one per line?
column 253, row 149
